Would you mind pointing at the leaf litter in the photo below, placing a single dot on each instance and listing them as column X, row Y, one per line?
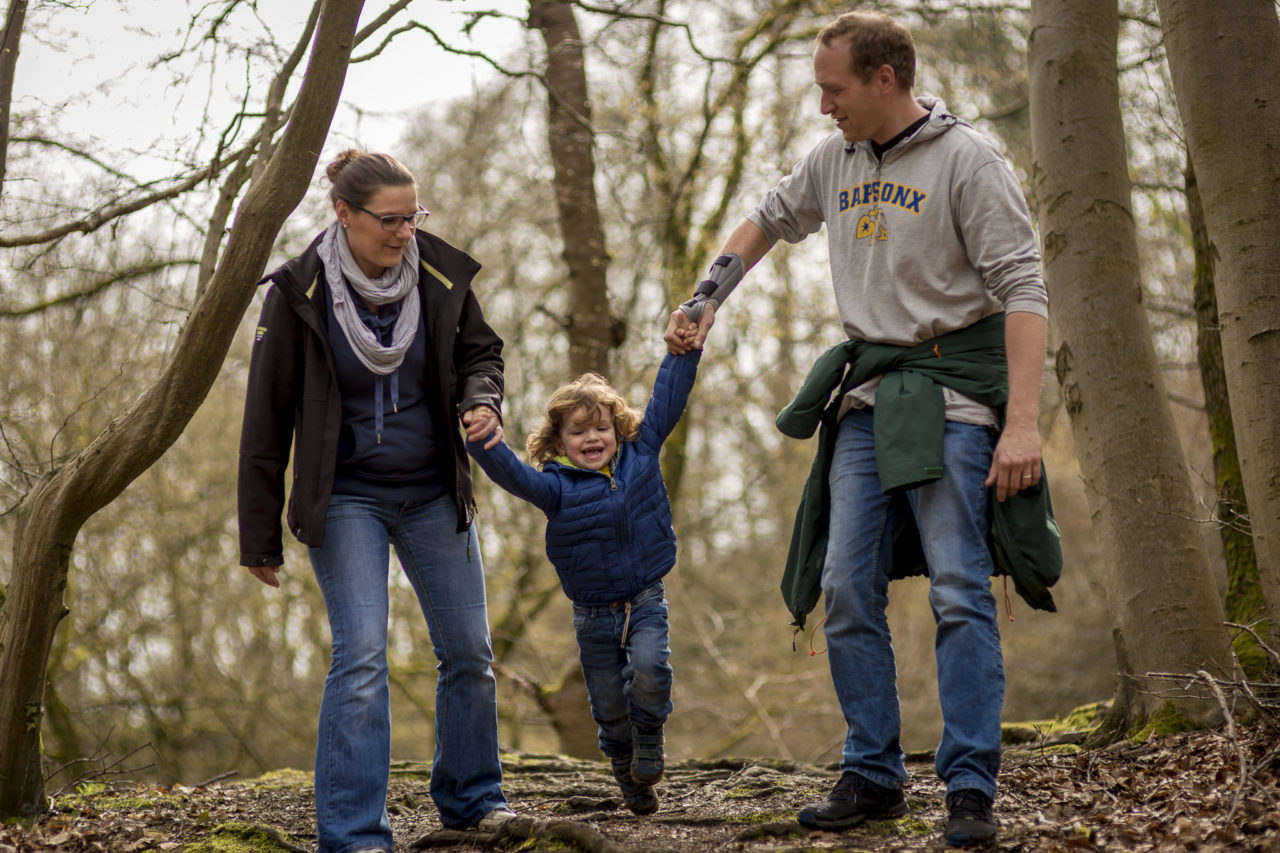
column 1179, row 792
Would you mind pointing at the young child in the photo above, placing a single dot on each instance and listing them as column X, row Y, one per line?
column 595, row 474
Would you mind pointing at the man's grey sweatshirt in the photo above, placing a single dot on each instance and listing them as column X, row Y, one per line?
column 929, row 240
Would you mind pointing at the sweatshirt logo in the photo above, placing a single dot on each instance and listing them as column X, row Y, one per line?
column 872, row 223
column 259, row 334
column 873, row 195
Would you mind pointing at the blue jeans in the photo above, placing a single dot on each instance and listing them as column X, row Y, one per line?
column 628, row 685
column 353, row 748
column 951, row 514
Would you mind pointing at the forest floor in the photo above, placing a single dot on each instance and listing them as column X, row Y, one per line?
column 1216, row 790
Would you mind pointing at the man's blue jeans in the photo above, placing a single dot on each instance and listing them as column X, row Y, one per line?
column 630, row 685
column 951, row 514
column 353, row 749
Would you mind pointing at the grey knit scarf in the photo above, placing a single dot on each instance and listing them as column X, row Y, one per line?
column 396, row 284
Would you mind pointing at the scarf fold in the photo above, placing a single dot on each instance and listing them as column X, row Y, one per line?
column 397, row 284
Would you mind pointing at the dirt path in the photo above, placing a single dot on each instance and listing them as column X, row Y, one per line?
column 1181, row 792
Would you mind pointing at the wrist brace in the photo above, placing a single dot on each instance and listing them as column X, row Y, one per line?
column 725, row 273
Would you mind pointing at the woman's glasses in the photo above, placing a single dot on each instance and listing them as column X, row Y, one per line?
column 393, row 221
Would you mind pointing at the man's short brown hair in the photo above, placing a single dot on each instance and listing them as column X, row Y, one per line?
column 875, row 39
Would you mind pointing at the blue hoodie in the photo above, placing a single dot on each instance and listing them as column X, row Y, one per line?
column 609, row 536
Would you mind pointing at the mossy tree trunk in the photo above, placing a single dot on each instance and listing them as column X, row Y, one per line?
column 1167, row 616
column 1224, row 59
column 1244, row 602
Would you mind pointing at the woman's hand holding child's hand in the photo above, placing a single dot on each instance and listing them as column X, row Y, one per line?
column 483, row 422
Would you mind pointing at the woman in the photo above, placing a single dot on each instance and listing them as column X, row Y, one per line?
column 370, row 343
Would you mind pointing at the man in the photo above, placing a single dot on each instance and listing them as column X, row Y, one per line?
column 928, row 234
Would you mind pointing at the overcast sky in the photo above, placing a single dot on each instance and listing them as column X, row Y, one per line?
column 86, row 70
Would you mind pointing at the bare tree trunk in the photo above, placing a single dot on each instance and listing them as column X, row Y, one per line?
column 52, row 514
column 1166, row 613
column 13, row 23
column 570, row 136
column 1244, row 601
column 1225, row 64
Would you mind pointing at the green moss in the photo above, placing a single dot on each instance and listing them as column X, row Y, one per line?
column 760, row 817
column 1082, row 719
column 280, row 779
column 98, row 797
column 752, row 792
column 1165, row 721
column 914, row 826
column 909, row 825
column 542, row 845
column 241, row 838
column 1083, row 833
column 1253, row 660
column 124, row 804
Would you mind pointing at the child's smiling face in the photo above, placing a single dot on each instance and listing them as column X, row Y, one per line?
column 589, row 441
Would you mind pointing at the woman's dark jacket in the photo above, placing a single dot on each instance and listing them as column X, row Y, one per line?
column 293, row 395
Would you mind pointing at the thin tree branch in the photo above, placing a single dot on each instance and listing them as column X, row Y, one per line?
column 97, row 287
column 1242, row 770
column 620, row 13
column 448, row 48
column 98, row 218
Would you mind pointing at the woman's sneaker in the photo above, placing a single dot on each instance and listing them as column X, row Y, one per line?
column 494, row 819
column 641, row 799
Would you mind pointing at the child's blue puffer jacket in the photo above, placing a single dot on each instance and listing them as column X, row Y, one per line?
column 608, row 536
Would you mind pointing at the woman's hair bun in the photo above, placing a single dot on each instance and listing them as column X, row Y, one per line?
column 356, row 175
column 341, row 162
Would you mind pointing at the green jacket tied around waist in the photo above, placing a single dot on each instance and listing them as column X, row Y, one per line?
column 910, row 417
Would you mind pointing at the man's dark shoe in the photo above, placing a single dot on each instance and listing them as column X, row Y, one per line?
column 641, row 799
column 969, row 819
column 646, row 758
column 854, row 799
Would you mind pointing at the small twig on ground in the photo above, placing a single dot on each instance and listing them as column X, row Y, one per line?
column 105, row 770
column 225, row 775
column 1243, row 772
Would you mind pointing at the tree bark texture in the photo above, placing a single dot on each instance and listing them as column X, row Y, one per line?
column 1244, row 601
column 570, row 137
column 592, row 333
column 52, row 514
column 14, row 21
column 1166, row 612
column 1224, row 58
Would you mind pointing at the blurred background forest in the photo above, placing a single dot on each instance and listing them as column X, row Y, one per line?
column 174, row 664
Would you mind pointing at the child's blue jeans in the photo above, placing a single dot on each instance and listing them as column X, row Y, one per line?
column 628, row 678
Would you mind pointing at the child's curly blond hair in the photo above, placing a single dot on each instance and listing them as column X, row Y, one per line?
column 589, row 392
